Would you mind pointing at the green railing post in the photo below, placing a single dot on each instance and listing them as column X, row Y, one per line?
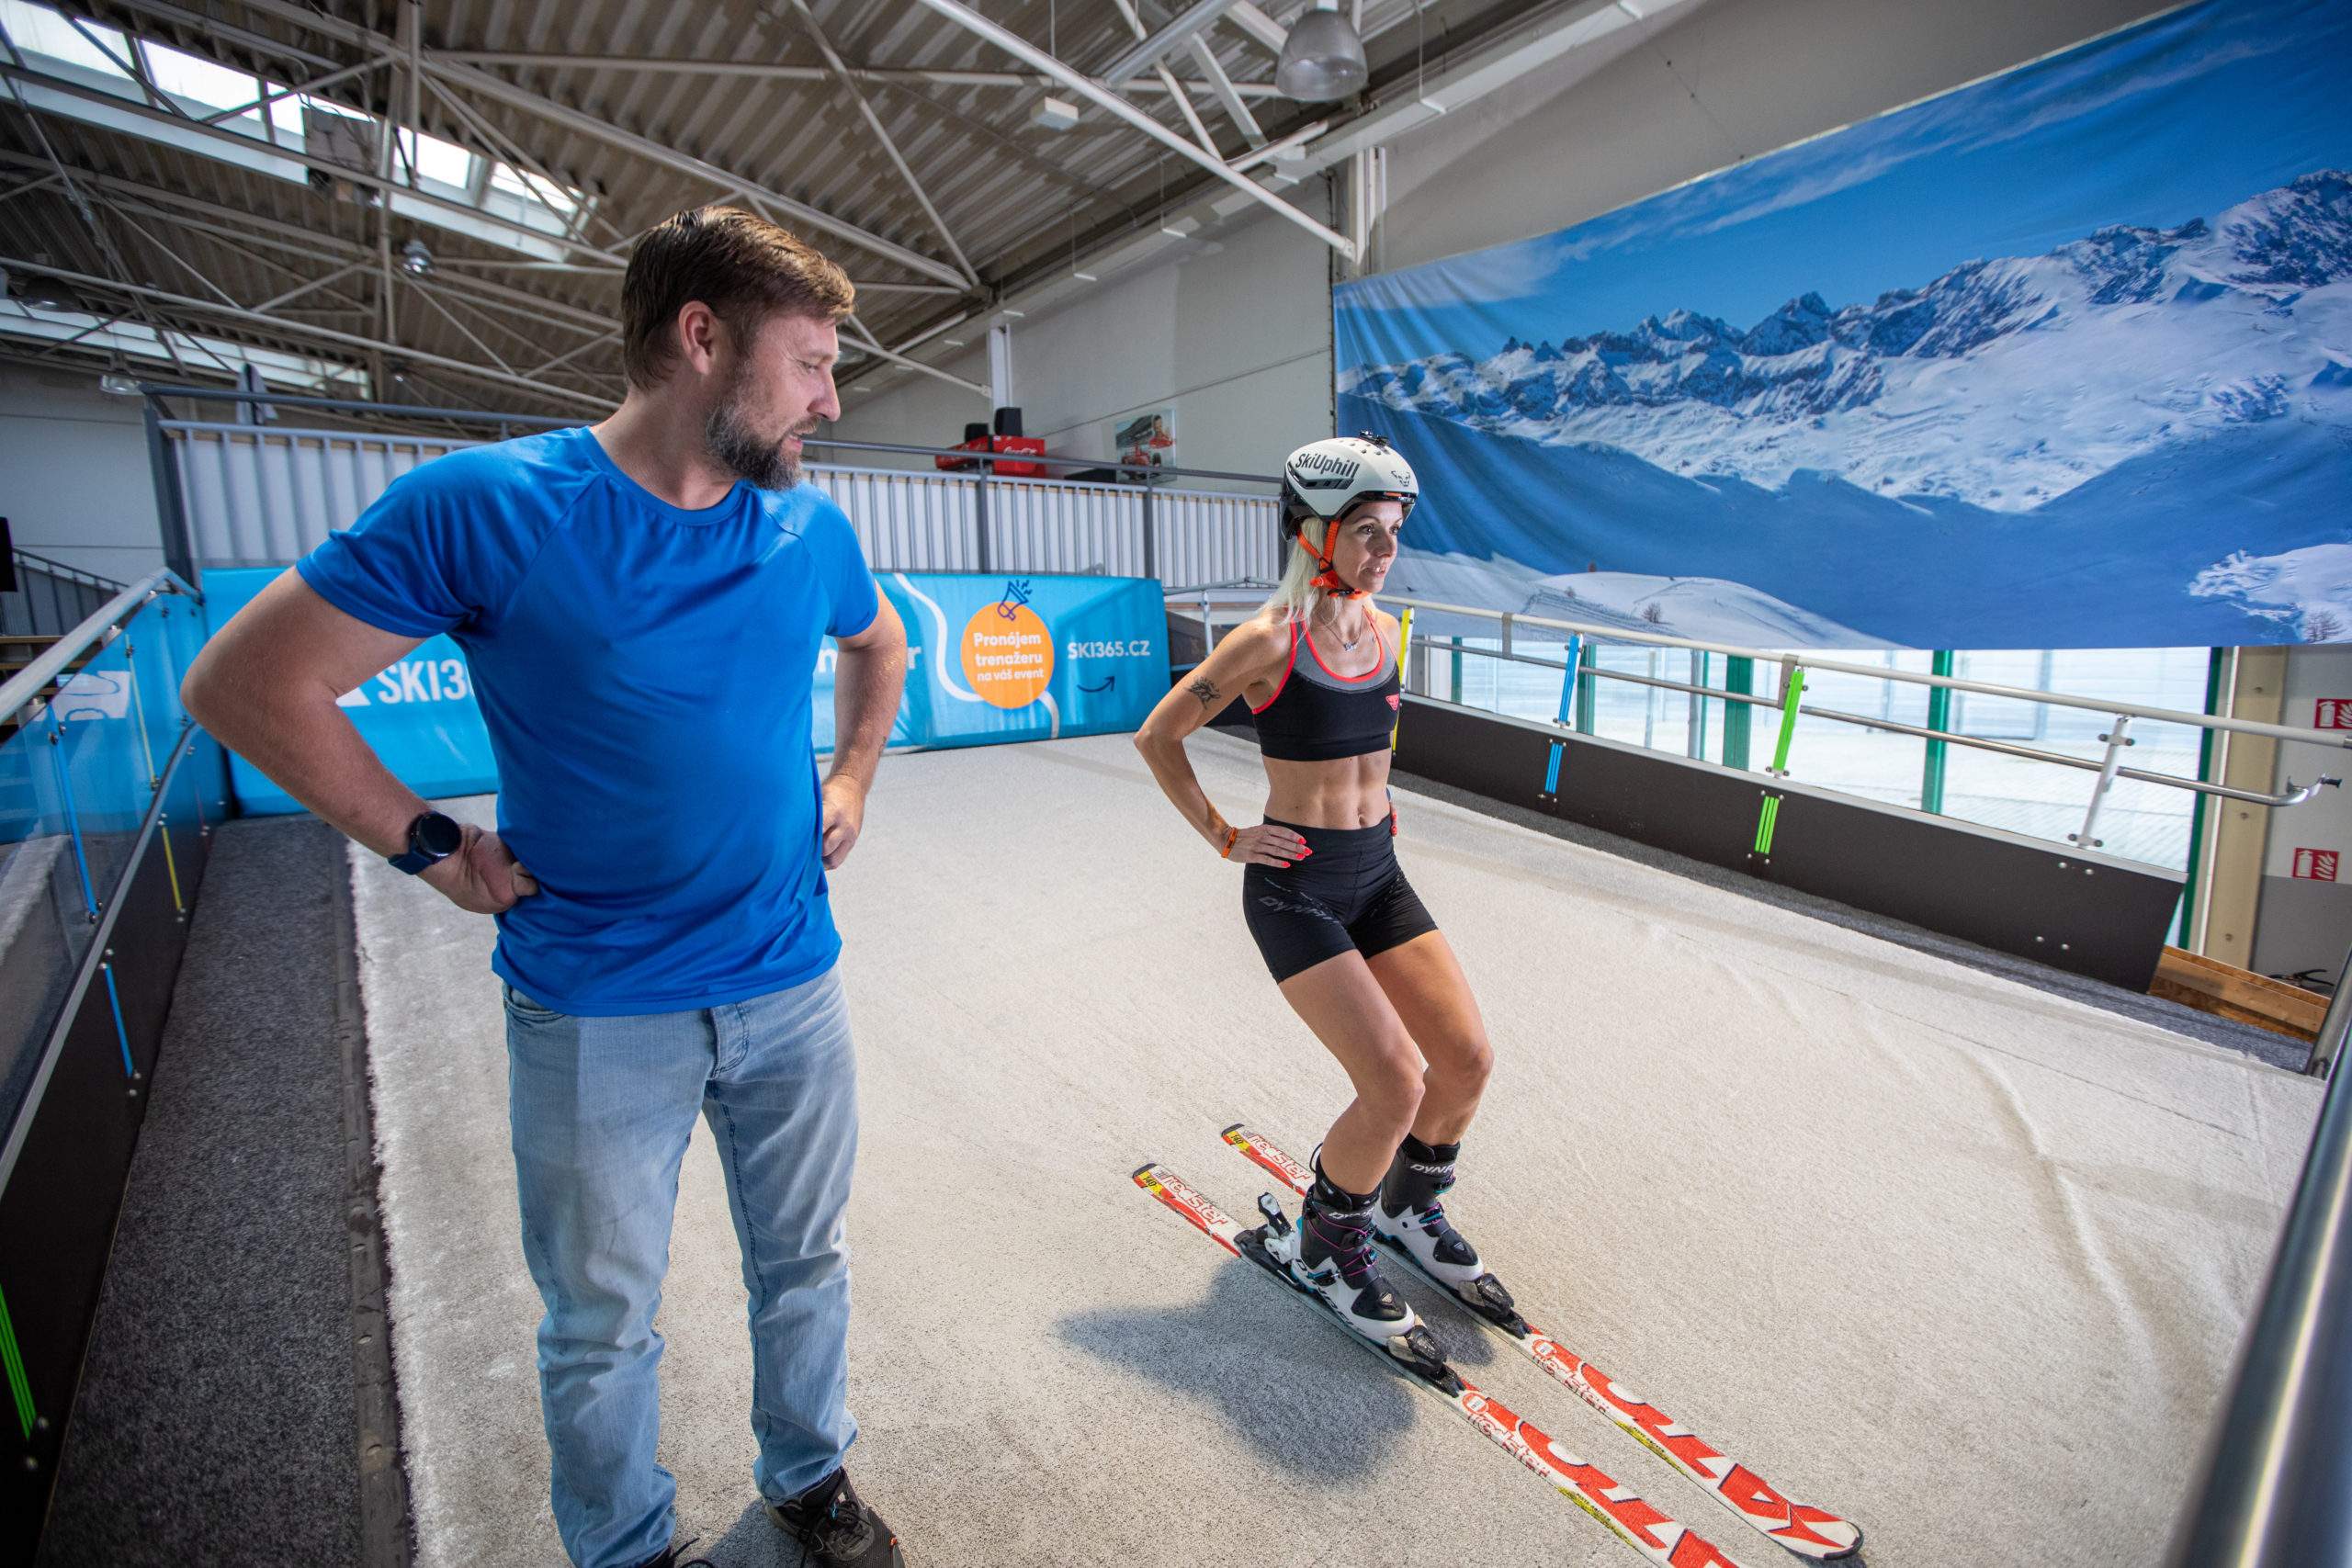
column 1932, row 782
column 1698, row 738
column 1454, row 663
column 1768, row 820
column 1740, row 675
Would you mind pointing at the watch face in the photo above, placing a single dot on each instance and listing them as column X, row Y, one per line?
column 436, row 835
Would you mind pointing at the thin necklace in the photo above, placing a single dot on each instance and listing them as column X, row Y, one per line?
column 1347, row 645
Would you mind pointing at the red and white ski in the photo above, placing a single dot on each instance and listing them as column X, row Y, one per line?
column 1661, row 1540
column 1809, row 1531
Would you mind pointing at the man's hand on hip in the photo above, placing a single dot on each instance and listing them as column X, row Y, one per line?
column 844, row 800
column 483, row 875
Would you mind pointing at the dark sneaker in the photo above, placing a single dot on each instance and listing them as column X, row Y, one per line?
column 670, row 1558
column 835, row 1530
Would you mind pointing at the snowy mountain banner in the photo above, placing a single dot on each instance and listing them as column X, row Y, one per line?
column 2059, row 359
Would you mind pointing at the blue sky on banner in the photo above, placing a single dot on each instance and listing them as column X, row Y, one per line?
column 2228, row 98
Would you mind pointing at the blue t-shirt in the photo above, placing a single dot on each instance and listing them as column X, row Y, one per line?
column 644, row 672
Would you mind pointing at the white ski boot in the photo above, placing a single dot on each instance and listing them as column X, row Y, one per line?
column 1411, row 1216
column 1329, row 1252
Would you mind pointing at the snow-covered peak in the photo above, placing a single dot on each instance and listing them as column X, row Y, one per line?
column 2004, row 382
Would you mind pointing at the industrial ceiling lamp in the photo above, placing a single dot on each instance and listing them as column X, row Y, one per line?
column 1322, row 58
column 415, row 259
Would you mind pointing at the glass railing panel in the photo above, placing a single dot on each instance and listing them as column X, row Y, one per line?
column 1635, row 714
column 104, row 756
column 45, row 928
column 2137, row 821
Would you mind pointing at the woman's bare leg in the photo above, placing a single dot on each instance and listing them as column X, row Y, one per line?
column 1349, row 1012
column 1424, row 986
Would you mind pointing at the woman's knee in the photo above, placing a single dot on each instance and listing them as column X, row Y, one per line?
column 1465, row 1062
column 1392, row 1083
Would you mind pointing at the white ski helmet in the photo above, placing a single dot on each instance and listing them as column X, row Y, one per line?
column 1324, row 479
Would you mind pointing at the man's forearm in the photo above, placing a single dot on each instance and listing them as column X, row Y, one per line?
column 311, row 749
column 866, row 684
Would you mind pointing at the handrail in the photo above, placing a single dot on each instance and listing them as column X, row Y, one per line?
column 1604, row 633
column 2109, row 768
column 60, row 570
column 353, row 408
column 27, row 683
column 2275, row 1488
column 1950, row 682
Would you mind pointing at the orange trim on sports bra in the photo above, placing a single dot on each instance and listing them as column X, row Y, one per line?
column 1286, row 669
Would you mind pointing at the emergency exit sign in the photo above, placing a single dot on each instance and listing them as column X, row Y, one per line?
column 2335, row 713
column 2317, row 864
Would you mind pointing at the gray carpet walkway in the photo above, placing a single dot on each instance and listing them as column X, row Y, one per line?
column 217, row 1421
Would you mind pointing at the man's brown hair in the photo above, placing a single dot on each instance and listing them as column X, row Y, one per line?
column 742, row 266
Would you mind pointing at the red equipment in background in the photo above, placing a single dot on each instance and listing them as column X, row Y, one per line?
column 1006, row 438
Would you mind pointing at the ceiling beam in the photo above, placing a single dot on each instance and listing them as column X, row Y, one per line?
column 304, row 329
column 865, row 75
column 1187, row 25
column 1236, row 110
column 1167, row 79
column 1094, row 92
column 322, row 247
column 867, row 342
column 1257, row 24
column 839, row 69
column 483, row 84
column 472, row 215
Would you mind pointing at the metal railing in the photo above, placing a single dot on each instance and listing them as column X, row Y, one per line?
column 253, row 495
column 50, row 598
column 86, row 783
column 1581, row 637
column 2275, row 1490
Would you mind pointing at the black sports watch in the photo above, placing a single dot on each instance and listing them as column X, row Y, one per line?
column 431, row 839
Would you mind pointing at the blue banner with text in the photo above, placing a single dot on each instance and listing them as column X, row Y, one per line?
column 1022, row 657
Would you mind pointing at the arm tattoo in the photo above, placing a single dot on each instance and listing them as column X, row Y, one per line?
column 1205, row 689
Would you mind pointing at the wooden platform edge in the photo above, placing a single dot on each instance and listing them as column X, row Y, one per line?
column 2226, row 991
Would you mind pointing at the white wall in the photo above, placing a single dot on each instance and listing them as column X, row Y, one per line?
column 1235, row 334
column 74, row 480
column 1694, row 92
column 2306, row 923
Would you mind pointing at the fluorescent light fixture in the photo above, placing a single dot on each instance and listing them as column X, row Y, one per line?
column 1054, row 114
column 952, row 341
column 1015, row 315
column 1180, row 228
column 1084, row 277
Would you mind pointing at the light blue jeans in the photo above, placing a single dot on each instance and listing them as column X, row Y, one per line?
column 600, row 1110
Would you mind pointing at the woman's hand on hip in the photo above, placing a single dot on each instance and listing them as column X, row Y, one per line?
column 1267, row 844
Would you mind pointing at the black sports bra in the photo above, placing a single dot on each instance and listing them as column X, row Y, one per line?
column 1315, row 715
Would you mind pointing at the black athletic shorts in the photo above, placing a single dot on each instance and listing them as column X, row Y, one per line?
column 1349, row 893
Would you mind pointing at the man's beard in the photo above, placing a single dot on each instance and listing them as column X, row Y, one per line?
column 735, row 446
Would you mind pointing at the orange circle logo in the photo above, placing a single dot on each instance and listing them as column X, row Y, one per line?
column 1008, row 655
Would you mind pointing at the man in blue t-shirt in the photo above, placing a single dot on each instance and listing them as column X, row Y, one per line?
column 641, row 604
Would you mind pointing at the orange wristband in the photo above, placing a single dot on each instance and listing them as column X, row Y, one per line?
column 1230, row 835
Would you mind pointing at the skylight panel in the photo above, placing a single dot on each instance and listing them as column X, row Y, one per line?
column 197, row 81
column 437, row 160
column 36, row 29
